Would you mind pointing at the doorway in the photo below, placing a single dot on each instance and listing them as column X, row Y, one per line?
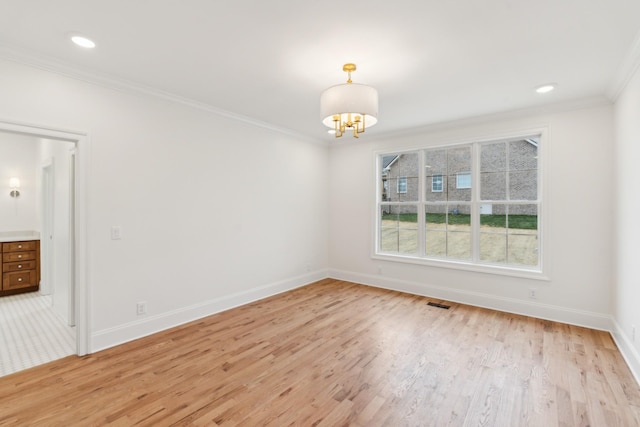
column 72, row 303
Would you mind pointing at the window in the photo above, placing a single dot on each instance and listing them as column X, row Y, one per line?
column 402, row 184
column 463, row 180
column 436, row 183
column 482, row 209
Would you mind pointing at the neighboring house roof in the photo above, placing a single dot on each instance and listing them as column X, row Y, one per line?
column 387, row 161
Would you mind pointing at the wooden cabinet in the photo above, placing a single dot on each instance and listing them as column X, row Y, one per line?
column 20, row 267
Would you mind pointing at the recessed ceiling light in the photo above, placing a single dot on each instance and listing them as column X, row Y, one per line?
column 546, row 88
column 83, row 41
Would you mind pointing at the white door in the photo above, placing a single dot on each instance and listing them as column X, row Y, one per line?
column 58, row 223
column 46, row 240
column 60, row 267
column 72, row 238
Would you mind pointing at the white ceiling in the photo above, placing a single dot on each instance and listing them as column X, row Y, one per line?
column 432, row 61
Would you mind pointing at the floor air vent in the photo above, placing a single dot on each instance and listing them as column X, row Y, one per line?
column 435, row 304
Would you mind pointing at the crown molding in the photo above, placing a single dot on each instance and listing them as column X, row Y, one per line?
column 94, row 77
column 628, row 67
column 554, row 108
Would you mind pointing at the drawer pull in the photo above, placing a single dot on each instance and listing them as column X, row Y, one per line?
column 19, row 256
column 19, row 246
column 19, row 279
column 19, row 265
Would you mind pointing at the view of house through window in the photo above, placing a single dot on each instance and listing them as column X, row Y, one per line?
column 477, row 203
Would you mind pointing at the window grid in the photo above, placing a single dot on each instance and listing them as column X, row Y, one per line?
column 402, row 184
column 463, row 180
column 474, row 209
column 437, row 183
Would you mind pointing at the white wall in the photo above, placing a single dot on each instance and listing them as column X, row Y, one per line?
column 579, row 208
column 625, row 216
column 214, row 212
column 18, row 155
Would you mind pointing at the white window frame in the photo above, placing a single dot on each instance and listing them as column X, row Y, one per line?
column 441, row 176
column 464, row 174
column 403, row 180
column 538, row 272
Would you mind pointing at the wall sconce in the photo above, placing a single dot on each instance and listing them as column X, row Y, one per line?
column 14, row 184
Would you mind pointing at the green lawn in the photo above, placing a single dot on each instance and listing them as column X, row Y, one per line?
column 524, row 222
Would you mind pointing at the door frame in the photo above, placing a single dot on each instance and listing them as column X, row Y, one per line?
column 80, row 261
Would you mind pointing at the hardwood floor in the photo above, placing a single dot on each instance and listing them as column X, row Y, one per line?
column 332, row 354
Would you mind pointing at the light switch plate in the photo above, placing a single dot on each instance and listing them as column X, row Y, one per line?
column 116, row 232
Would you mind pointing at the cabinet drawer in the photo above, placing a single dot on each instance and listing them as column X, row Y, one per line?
column 18, row 266
column 19, row 246
column 18, row 279
column 18, row 256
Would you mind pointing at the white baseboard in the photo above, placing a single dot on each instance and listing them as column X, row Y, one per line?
column 627, row 349
column 570, row 316
column 106, row 338
column 111, row 337
column 510, row 305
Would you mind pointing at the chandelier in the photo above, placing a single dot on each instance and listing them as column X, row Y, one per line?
column 349, row 106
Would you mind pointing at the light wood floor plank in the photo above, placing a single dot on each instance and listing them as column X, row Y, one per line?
column 337, row 353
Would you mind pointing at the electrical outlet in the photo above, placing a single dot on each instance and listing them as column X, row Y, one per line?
column 532, row 293
column 141, row 308
column 380, row 270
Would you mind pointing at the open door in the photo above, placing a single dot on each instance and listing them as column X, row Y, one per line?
column 72, row 238
column 46, row 239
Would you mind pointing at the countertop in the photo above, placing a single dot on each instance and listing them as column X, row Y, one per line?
column 16, row 236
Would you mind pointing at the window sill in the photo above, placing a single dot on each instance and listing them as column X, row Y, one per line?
column 524, row 273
